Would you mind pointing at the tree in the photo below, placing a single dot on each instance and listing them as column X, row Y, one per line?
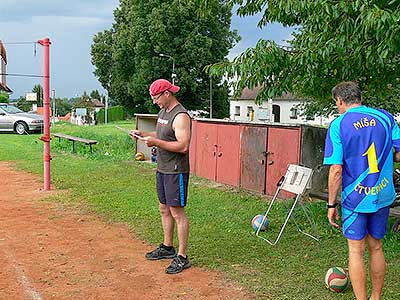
column 95, row 95
column 24, row 105
column 38, row 89
column 333, row 41
column 4, row 97
column 84, row 101
column 63, row 106
column 127, row 56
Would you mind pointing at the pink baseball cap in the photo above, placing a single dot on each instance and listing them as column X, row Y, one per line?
column 162, row 85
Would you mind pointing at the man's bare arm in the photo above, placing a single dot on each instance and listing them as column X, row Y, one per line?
column 334, row 182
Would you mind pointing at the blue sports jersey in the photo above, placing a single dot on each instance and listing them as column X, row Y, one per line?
column 362, row 141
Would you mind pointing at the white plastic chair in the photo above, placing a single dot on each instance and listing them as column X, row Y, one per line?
column 296, row 180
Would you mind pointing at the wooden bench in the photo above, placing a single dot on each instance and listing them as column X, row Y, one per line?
column 395, row 212
column 75, row 139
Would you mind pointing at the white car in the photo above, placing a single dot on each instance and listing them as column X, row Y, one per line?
column 14, row 119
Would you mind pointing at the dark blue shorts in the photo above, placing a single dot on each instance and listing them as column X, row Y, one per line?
column 172, row 188
column 357, row 225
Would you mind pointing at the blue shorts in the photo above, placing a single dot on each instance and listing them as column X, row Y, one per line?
column 357, row 225
column 172, row 188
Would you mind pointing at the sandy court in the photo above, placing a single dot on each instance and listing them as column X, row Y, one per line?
column 51, row 251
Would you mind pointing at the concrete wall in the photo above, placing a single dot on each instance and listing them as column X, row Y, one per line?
column 312, row 155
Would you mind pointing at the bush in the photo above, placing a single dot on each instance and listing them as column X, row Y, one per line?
column 114, row 113
column 4, row 97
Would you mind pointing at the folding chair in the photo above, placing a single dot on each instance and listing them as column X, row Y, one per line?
column 296, row 180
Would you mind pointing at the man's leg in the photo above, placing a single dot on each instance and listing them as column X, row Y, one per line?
column 182, row 222
column 357, row 268
column 168, row 225
column 377, row 227
column 378, row 266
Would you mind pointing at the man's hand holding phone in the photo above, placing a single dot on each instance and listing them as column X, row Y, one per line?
column 136, row 134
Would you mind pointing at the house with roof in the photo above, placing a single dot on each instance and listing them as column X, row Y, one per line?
column 285, row 109
column 3, row 70
column 86, row 116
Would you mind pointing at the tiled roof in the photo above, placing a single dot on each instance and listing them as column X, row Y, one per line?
column 5, row 88
column 251, row 94
column 3, row 52
column 66, row 118
column 97, row 103
column 40, row 111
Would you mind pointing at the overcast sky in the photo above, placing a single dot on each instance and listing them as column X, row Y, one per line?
column 71, row 25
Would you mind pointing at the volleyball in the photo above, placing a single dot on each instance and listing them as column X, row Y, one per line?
column 336, row 279
column 258, row 222
column 139, row 156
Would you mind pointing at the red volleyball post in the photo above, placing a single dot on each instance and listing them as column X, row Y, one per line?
column 46, row 111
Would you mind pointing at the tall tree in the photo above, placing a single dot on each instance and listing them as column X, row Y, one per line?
column 63, row 106
column 95, row 95
column 127, row 56
column 38, row 89
column 83, row 101
column 333, row 41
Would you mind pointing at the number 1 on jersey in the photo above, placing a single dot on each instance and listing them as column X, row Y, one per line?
column 372, row 160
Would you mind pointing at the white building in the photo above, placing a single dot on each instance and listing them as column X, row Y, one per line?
column 86, row 116
column 279, row 110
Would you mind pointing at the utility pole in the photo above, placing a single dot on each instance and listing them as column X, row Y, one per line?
column 46, row 110
column 105, row 110
column 54, row 105
column 173, row 75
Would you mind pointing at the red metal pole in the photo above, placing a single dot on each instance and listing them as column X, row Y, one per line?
column 46, row 111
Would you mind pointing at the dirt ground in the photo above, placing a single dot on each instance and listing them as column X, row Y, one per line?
column 52, row 251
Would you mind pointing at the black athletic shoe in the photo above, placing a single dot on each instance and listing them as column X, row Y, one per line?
column 178, row 264
column 160, row 253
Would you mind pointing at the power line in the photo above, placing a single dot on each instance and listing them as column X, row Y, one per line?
column 23, row 75
column 22, row 43
column 18, row 43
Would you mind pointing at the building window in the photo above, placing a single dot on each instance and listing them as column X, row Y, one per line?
column 249, row 109
column 293, row 113
column 237, row 110
column 276, row 111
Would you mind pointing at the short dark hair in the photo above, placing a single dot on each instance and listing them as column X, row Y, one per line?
column 348, row 91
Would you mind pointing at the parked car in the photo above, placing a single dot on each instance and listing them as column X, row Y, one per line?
column 14, row 119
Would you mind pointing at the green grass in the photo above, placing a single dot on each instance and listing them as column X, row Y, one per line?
column 122, row 190
column 113, row 144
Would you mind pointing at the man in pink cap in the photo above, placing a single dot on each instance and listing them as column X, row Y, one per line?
column 172, row 139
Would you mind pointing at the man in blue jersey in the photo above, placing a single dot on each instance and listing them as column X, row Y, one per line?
column 359, row 149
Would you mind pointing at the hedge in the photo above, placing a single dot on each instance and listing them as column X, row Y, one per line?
column 114, row 113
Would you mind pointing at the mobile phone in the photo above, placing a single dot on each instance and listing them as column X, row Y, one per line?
column 136, row 136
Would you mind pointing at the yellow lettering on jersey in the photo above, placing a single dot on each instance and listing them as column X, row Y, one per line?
column 371, row 190
column 364, row 122
column 372, row 160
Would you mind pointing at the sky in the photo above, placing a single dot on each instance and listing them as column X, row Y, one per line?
column 71, row 25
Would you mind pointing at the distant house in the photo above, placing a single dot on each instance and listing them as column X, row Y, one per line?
column 86, row 116
column 3, row 69
column 285, row 109
column 97, row 104
column 66, row 118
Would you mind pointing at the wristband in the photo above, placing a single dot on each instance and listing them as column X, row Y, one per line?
column 332, row 206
